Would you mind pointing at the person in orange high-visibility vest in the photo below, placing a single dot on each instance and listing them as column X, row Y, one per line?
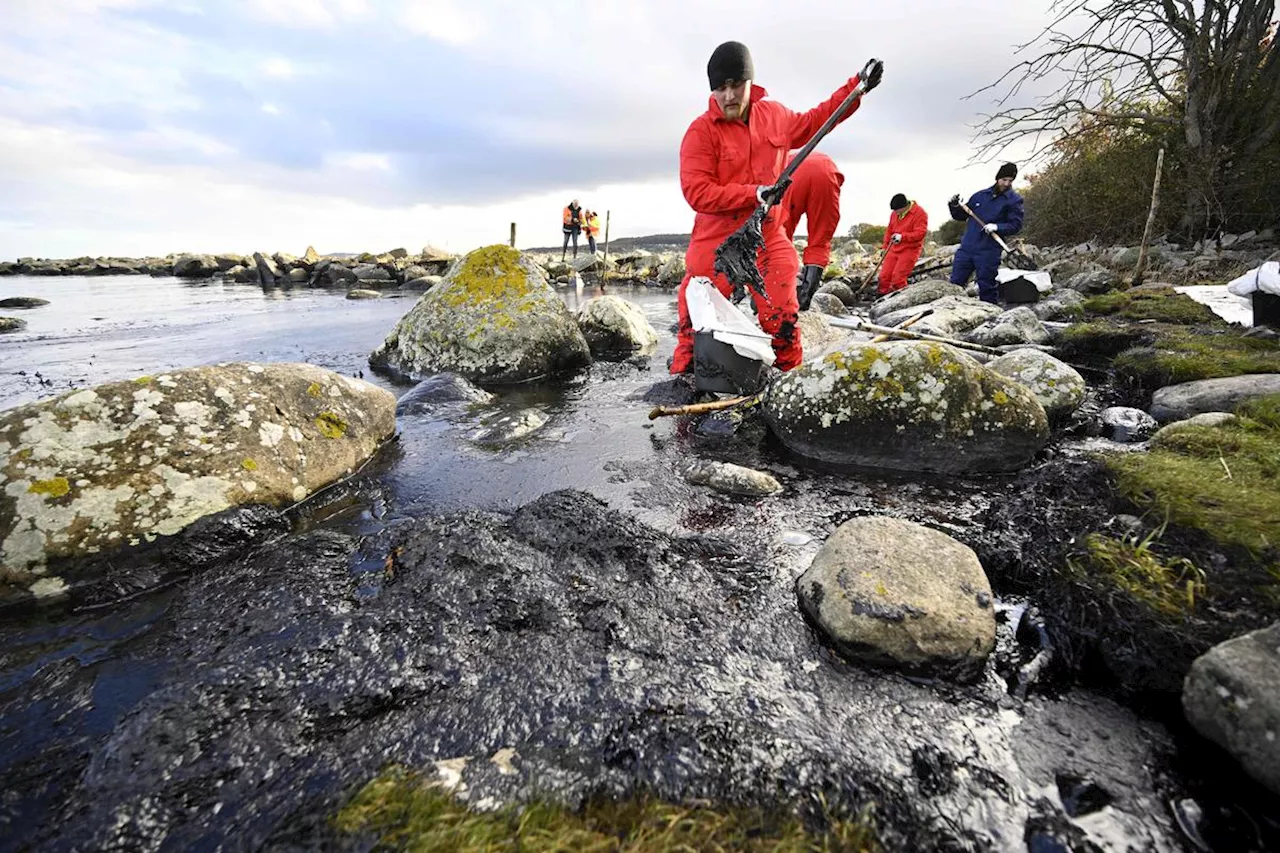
column 903, row 240
column 572, row 227
column 591, row 227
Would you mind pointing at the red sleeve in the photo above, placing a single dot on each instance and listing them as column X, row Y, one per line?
column 917, row 227
column 698, row 180
column 802, row 126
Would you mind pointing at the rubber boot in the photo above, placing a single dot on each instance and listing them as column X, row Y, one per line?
column 807, row 284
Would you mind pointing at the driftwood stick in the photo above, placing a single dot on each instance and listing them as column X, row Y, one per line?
column 700, row 408
column 855, row 323
column 879, row 339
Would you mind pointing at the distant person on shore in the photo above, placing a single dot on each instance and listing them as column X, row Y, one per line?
column 730, row 160
column 1001, row 209
column 591, row 227
column 815, row 195
column 903, row 240
column 572, row 226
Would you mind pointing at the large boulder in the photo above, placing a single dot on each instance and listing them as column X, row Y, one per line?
column 331, row 274
column 127, row 462
column 893, row 592
column 829, row 304
column 911, row 296
column 909, row 406
column 1057, row 386
column 1093, row 281
column 268, row 270
column 1177, row 402
column 1015, row 326
column 613, row 326
column 952, row 316
column 195, row 266
column 1232, row 696
column 493, row 319
column 817, row 335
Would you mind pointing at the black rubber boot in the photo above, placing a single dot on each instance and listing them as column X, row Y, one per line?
column 808, row 283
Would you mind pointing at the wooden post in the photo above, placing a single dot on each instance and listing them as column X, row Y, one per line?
column 1140, row 270
column 513, row 235
column 606, row 239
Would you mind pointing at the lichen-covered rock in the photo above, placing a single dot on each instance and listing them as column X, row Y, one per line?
column 920, row 293
column 1057, row 386
column 1015, row 326
column 892, row 592
column 127, row 462
column 1231, row 697
column 732, row 479
column 672, row 270
column 909, row 406
column 952, row 316
column 11, row 324
column 613, row 326
column 493, row 319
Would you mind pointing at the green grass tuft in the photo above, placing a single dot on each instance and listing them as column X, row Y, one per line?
column 405, row 812
column 1168, row 586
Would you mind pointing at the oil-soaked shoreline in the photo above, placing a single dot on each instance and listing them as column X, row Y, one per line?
column 646, row 639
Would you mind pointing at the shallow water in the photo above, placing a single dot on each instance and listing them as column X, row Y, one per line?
column 79, row 692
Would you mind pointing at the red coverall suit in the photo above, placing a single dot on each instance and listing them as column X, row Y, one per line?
column 901, row 257
column 722, row 162
column 815, row 194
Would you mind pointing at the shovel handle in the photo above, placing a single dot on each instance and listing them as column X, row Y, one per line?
column 840, row 112
column 994, row 234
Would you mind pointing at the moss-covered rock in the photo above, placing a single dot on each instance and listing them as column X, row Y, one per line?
column 494, row 319
column 906, row 405
column 1153, row 302
column 1174, row 355
column 124, row 463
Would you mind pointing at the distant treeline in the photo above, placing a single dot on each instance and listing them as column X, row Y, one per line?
column 652, row 242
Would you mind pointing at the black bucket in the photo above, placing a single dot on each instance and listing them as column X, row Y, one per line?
column 1266, row 309
column 1019, row 291
column 719, row 368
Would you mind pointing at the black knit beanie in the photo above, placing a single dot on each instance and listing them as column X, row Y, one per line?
column 730, row 61
column 1008, row 170
column 897, row 202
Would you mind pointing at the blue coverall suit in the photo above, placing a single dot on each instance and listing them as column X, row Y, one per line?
column 979, row 250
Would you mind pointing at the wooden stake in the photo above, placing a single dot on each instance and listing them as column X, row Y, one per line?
column 513, row 235
column 1141, row 269
column 606, row 239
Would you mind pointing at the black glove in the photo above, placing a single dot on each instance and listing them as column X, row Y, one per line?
column 771, row 195
column 955, row 200
column 875, row 70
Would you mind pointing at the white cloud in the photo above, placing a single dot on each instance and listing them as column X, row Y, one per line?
column 307, row 13
column 358, row 161
column 277, row 66
column 444, row 20
column 270, row 109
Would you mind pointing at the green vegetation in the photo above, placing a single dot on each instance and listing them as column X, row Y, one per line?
column 1223, row 482
column 405, row 812
column 868, row 234
column 1099, row 339
column 1169, row 586
column 949, row 232
column 1183, row 355
column 1152, row 303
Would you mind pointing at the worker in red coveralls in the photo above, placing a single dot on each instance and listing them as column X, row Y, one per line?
column 814, row 194
column 903, row 240
column 731, row 157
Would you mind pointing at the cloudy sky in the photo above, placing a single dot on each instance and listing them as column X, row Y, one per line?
column 134, row 127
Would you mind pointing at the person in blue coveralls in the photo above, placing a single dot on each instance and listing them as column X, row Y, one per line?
column 1001, row 209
